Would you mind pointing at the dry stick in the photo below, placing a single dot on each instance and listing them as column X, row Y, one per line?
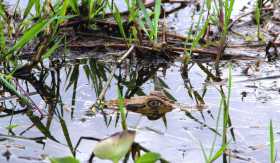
column 195, row 50
column 124, row 46
column 171, row 35
column 246, row 45
column 104, row 90
column 126, row 54
column 172, row 48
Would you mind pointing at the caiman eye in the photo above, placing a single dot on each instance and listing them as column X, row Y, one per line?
column 154, row 103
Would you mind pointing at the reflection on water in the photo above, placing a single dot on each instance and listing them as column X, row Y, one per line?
column 65, row 93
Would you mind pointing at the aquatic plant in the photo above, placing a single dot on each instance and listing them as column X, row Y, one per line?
column 150, row 25
column 258, row 16
column 272, row 151
column 122, row 109
column 115, row 147
column 226, row 123
column 67, row 159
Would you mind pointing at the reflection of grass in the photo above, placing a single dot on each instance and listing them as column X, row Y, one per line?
column 224, row 106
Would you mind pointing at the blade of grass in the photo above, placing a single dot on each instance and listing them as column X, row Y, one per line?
column 10, row 87
column 119, row 21
column 122, row 109
column 32, row 33
column 51, row 50
column 156, row 19
column 2, row 37
column 74, row 6
column 272, row 143
column 145, row 14
column 219, row 153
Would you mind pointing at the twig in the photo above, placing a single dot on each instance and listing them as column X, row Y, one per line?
column 124, row 46
column 104, row 90
column 126, row 54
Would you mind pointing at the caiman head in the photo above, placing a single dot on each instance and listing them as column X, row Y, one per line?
column 154, row 105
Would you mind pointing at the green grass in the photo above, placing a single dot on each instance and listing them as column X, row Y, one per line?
column 148, row 24
column 272, row 143
column 223, row 108
column 258, row 16
column 122, row 108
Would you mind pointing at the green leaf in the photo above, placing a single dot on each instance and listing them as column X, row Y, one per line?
column 51, row 50
column 115, row 147
column 91, row 9
column 121, row 105
column 32, row 33
column 156, row 19
column 203, row 152
column 28, row 8
column 68, row 159
column 29, row 35
column 2, row 10
column 2, row 36
column 146, row 15
column 219, row 153
column 64, row 7
column 74, row 6
column 149, row 157
column 38, row 7
column 119, row 21
column 10, row 87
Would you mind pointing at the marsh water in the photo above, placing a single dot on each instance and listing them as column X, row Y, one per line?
column 68, row 87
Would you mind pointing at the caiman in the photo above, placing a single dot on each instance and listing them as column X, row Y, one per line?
column 154, row 105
